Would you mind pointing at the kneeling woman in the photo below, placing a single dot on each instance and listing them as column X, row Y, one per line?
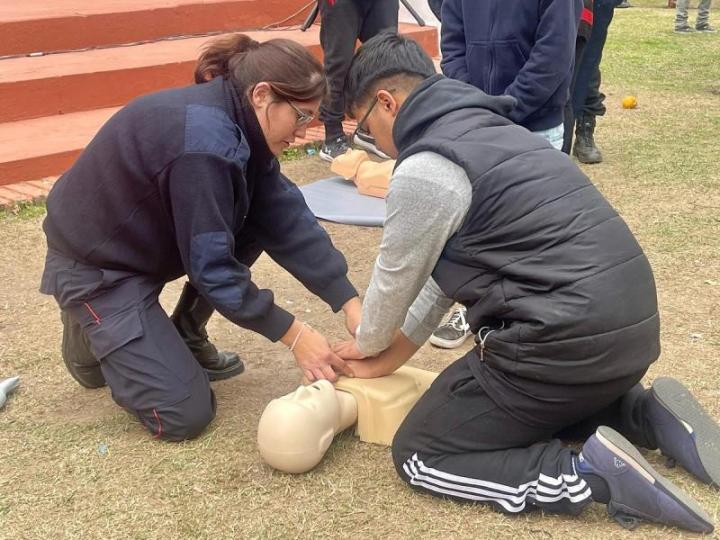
column 186, row 182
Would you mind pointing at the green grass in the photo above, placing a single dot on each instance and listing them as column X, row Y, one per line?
column 25, row 210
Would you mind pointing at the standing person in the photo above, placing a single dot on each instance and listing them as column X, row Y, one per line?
column 702, row 23
column 528, row 55
column 587, row 99
column 584, row 32
column 561, row 295
column 343, row 23
column 186, row 182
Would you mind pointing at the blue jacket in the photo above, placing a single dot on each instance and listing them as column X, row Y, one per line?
column 181, row 182
column 521, row 48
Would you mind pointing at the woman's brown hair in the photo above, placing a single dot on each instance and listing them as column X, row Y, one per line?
column 292, row 72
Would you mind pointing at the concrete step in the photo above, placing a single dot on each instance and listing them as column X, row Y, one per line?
column 33, row 87
column 42, row 147
column 30, row 26
column 15, row 193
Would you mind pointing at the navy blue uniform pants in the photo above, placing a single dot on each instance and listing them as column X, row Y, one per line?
column 145, row 362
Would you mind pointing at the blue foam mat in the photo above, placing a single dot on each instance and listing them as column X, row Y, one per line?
column 336, row 199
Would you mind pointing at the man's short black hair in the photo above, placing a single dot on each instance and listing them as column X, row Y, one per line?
column 384, row 56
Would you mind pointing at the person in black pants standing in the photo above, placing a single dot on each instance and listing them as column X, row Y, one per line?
column 587, row 100
column 343, row 23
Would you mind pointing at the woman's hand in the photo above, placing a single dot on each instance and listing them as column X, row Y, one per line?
column 353, row 314
column 313, row 353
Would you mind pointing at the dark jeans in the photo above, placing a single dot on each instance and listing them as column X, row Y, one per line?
column 343, row 23
column 586, row 97
column 458, row 442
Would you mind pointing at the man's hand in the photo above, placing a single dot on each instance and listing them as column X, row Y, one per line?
column 348, row 350
column 314, row 355
column 353, row 314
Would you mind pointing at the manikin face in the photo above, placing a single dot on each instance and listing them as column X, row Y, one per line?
column 296, row 430
column 281, row 120
column 317, row 399
column 377, row 118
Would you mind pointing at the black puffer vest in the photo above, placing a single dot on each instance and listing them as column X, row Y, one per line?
column 552, row 277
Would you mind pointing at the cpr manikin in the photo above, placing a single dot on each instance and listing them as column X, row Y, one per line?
column 296, row 430
column 371, row 178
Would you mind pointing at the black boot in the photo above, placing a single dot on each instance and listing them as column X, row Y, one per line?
column 79, row 360
column 585, row 149
column 190, row 317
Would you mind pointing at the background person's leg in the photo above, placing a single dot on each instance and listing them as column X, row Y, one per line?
column 381, row 15
column 339, row 29
column 703, row 17
column 569, row 113
column 681, row 15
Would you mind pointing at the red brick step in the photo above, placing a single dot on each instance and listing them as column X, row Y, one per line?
column 28, row 26
column 32, row 87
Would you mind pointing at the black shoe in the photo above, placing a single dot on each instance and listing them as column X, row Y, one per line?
column 684, row 30
column 334, row 148
column 584, row 149
column 366, row 142
column 190, row 317
column 79, row 360
column 624, row 4
column 706, row 28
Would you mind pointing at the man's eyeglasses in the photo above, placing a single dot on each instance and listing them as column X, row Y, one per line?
column 361, row 129
column 303, row 118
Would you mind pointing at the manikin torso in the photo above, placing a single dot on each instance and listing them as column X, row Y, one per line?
column 296, row 430
column 371, row 178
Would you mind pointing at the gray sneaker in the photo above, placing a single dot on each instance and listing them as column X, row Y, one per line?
column 684, row 30
column 685, row 433
column 366, row 142
column 454, row 332
column 706, row 28
column 637, row 491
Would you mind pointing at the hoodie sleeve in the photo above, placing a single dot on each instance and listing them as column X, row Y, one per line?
column 452, row 41
column 204, row 197
column 551, row 58
column 292, row 236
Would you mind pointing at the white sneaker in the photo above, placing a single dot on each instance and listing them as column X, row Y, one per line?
column 454, row 332
column 368, row 143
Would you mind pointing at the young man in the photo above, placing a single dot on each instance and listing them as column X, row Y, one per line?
column 481, row 212
column 343, row 23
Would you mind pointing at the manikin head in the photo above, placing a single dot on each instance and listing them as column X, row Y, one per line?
column 282, row 82
column 384, row 71
column 296, row 430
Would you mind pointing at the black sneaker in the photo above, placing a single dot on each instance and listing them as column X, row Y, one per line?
column 706, row 28
column 454, row 332
column 684, row 30
column 366, row 142
column 334, row 148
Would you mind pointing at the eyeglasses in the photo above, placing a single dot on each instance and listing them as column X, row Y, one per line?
column 360, row 125
column 361, row 129
column 303, row 118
